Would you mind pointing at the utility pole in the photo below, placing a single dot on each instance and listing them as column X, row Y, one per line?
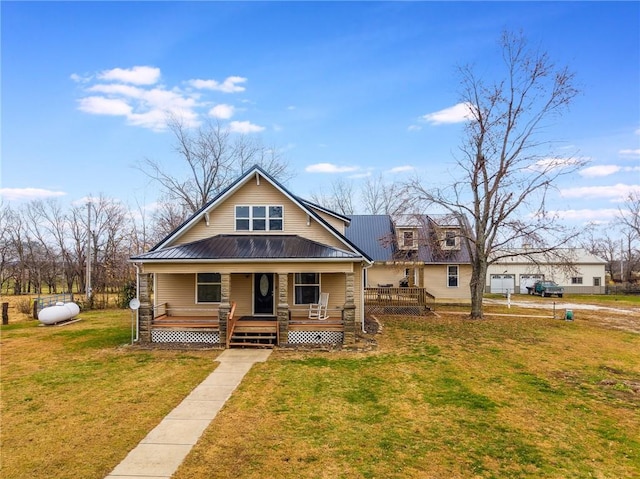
column 88, row 278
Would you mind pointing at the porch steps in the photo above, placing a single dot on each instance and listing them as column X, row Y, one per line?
column 254, row 334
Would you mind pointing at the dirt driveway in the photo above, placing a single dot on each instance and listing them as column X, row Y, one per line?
column 624, row 318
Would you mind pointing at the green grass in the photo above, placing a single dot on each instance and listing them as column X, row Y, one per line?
column 506, row 397
column 76, row 398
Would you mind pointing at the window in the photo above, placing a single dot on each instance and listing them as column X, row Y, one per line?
column 307, row 288
column 259, row 218
column 208, row 288
column 450, row 239
column 576, row 280
column 452, row 276
column 596, row 281
column 407, row 239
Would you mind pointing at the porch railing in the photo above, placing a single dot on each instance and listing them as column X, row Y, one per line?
column 402, row 300
column 231, row 322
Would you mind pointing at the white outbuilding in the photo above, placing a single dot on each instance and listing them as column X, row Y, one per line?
column 575, row 269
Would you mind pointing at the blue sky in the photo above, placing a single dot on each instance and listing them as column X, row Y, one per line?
column 344, row 90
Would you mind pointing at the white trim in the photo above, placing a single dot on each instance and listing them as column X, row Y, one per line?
column 196, row 288
column 304, row 284
column 251, row 218
column 457, row 266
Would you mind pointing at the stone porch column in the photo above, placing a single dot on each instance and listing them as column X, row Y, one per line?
column 283, row 307
column 349, row 313
column 145, row 312
column 225, row 306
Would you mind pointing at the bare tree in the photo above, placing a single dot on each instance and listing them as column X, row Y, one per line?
column 505, row 170
column 214, row 158
column 340, row 199
column 630, row 215
column 380, row 197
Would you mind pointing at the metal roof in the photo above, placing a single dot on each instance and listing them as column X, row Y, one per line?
column 374, row 235
column 249, row 247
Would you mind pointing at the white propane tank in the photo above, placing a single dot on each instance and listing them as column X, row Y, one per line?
column 59, row 312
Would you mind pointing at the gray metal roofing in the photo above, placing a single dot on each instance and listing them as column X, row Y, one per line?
column 373, row 234
column 248, row 247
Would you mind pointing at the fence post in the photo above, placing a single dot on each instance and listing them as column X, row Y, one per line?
column 35, row 309
column 5, row 313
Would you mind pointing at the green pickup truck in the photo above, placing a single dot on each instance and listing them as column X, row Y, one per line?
column 546, row 288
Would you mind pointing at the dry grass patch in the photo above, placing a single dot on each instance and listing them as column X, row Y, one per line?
column 76, row 399
column 440, row 398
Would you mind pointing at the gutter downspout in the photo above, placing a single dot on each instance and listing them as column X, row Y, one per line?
column 364, row 269
column 138, row 297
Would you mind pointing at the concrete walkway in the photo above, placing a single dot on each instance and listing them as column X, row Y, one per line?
column 160, row 454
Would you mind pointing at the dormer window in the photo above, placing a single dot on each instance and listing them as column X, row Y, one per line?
column 451, row 240
column 259, row 218
column 407, row 239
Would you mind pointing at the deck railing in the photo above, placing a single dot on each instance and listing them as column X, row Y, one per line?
column 392, row 300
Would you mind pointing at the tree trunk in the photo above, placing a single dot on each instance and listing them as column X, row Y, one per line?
column 477, row 285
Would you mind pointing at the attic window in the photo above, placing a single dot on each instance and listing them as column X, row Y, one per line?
column 408, row 239
column 450, row 239
column 259, row 218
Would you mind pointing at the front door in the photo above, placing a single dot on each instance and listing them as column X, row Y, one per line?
column 263, row 294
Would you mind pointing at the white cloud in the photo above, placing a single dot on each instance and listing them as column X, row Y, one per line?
column 28, row 193
column 586, row 215
column 133, row 94
column 329, row 168
column 599, row 170
column 401, row 169
column 414, row 128
column 244, row 127
column 138, row 75
column 629, row 152
column 99, row 105
column 222, row 111
column 548, row 164
column 229, row 85
column 617, row 192
column 454, row 114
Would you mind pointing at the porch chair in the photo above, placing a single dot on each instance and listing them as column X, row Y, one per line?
column 319, row 310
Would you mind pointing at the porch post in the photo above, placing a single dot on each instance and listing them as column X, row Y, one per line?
column 145, row 312
column 225, row 306
column 349, row 313
column 283, row 308
column 421, row 277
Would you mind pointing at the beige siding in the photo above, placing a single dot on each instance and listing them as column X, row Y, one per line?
column 337, row 223
column 296, row 221
column 435, row 282
column 179, row 292
column 384, row 274
column 270, row 267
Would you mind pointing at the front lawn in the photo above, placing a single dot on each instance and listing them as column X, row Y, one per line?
column 441, row 397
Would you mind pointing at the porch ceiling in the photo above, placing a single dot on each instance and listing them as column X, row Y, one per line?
column 249, row 247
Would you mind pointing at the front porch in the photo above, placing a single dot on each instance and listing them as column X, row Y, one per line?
column 245, row 331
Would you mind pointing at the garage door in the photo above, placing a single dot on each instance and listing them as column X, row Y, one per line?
column 529, row 280
column 501, row 283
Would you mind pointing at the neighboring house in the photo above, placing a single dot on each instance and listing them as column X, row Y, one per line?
column 426, row 251
column 585, row 273
column 245, row 268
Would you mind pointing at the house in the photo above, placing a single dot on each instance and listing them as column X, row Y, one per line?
column 245, row 268
column 577, row 270
column 426, row 251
